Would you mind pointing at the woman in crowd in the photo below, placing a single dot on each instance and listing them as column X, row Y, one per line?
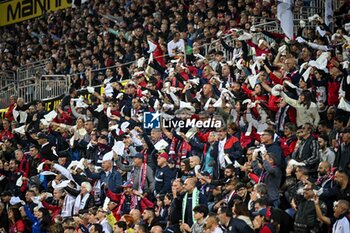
column 16, row 223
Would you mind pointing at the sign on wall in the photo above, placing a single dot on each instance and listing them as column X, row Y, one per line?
column 15, row 11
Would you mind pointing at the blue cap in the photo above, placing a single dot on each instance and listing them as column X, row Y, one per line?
column 138, row 156
column 127, row 184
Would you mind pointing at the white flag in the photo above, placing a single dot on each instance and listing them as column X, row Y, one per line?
column 328, row 13
column 285, row 15
column 152, row 46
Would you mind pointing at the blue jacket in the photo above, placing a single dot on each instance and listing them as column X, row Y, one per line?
column 113, row 180
column 163, row 178
column 36, row 222
column 271, row 176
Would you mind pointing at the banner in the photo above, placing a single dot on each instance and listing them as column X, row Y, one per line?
column 15, row 11
column 285, row 15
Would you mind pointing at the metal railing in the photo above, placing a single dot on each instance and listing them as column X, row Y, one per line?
column 35, row 88
column 53, row 85
column 36, row 68
column 7, row 77
column 8, row 91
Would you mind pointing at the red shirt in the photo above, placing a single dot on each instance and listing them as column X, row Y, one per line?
column 5, row 133
column 17, row 227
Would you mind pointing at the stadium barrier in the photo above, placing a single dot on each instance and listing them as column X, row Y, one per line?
column 7, row 77
column 36, row 68
column 30, row 89
column 9, row 90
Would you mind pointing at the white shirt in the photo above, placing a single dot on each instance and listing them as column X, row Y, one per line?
column 107, row 80
column 217, row 230
column 222, row 153
column 179, row 45
column 105, row 226
column 341, row 226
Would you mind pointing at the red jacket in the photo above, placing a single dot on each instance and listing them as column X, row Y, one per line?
column 333, row 88
column 55, row 209
column 288, row 145
column 5, row 133
column 9, row 114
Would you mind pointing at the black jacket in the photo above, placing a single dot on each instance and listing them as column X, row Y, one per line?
column 46, row 152
column 238, row 226
column 308, row 153
column 305, row 217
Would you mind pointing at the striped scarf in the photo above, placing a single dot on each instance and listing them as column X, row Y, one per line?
column 195, row 202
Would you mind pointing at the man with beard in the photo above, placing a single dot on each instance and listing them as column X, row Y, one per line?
column 14, row 176
column 229, row 173
column 149, row 218
column 242, row 193
column 326, row 185
column 326, row 153
column 343, row 190
column 229, row 195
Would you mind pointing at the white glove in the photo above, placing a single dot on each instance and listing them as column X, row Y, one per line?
column 314, row 17
column 300, row 40
column 120, row 96
column 282, row 48
column 237, row 165
column 198, row 55
column 113, row 127
column 91, row 90
column 295, row 163
column 345, row 64
column 167, row 107
column 302, row 23
column 227, row 159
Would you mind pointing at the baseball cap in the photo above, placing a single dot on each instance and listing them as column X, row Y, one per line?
column 164, row 155
column 263, row 212
column 138, row 156
column 205, row 173
column 42, row 136
column 127, row 184
column 239, row 186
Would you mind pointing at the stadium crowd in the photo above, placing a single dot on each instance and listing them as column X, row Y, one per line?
column 279, row 161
